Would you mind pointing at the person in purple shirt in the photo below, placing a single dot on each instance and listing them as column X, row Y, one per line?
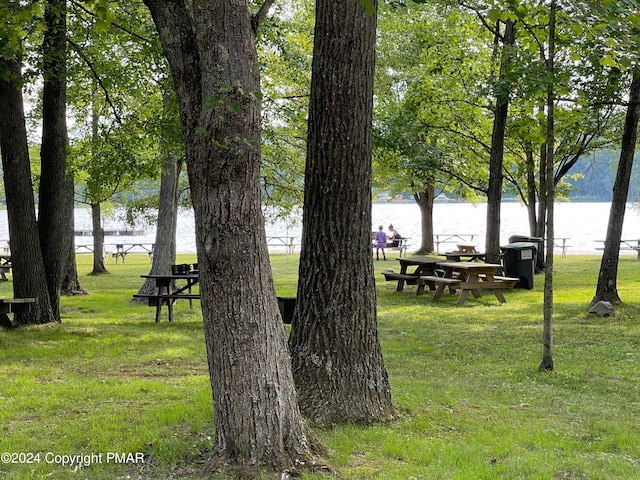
column 381, row 243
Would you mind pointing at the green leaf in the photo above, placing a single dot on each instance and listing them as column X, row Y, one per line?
column 101, row 26
column 608, row 61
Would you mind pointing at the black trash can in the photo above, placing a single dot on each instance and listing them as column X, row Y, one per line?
column 519, row 261
column 287, row 306
column 539, row 263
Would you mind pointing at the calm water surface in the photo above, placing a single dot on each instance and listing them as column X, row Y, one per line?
column 583, row 223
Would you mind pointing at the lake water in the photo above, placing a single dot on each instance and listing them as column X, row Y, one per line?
column 583, row 223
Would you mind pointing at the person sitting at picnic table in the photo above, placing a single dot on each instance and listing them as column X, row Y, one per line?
column 394, row 236
column 381, row 243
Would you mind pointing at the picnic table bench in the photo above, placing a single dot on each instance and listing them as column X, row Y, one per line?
column 13, row 305
column 402, row 278
column 425, row 266
column 401, row 247
column 4, row 269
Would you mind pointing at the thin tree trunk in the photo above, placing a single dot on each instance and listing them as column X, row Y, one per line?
column 164, row 252
column 70, row 282
column 98, row 240
column 607, row 287
column 494, row 191
column 547, row 363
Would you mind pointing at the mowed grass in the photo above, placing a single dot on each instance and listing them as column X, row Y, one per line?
column 470, row 401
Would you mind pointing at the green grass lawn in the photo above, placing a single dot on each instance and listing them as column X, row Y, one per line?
column 471, row 404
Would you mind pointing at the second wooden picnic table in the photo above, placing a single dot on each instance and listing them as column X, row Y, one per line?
column 473, row 277
column 167, row 292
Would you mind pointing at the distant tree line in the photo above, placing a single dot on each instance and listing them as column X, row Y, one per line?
column 597, row 175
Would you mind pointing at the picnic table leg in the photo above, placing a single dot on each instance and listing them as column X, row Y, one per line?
column 170, row 310
column 190, row 300
column 158, row 310
column 499, row 295
column 163, row 288
column 439, row 291
column 463, row 297
column 5, row 321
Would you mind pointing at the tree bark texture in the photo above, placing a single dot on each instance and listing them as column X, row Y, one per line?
column 607, row 287
column 70, row 282
column 98, row 239
column 494, row 191
column 28, row 268
column 425, row 201
column 531, row 196
column 336, row 357
column 53, row 218
column 210, row 46
column 164, row 252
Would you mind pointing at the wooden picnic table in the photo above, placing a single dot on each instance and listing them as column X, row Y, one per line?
column 471, row 278
column 625, row 245
column 466, row 247
column 425, row 266
column 13, row 305
column 168, row 292
column 123, row 249
column 401, row 246
column 465, row 252
column 465, row 256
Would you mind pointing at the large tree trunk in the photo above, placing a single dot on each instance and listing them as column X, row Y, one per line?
column 607, row 287
column 28, row 268
column 494, row 191
column 53, row 220
column 425, row 201
column 210, row 46
column 336, row 357
column 164, row 251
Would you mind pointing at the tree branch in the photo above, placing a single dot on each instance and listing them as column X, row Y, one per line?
column 96, row 76
column 259, row 17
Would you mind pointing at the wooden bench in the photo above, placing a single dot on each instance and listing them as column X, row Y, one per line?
column 402, row 278
column 157, row 300
column 505, row 282
column 440, row 283
column 13, row 305
column 401, row 247
column 4, row 269
column 154, row 297
column 456, row 283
